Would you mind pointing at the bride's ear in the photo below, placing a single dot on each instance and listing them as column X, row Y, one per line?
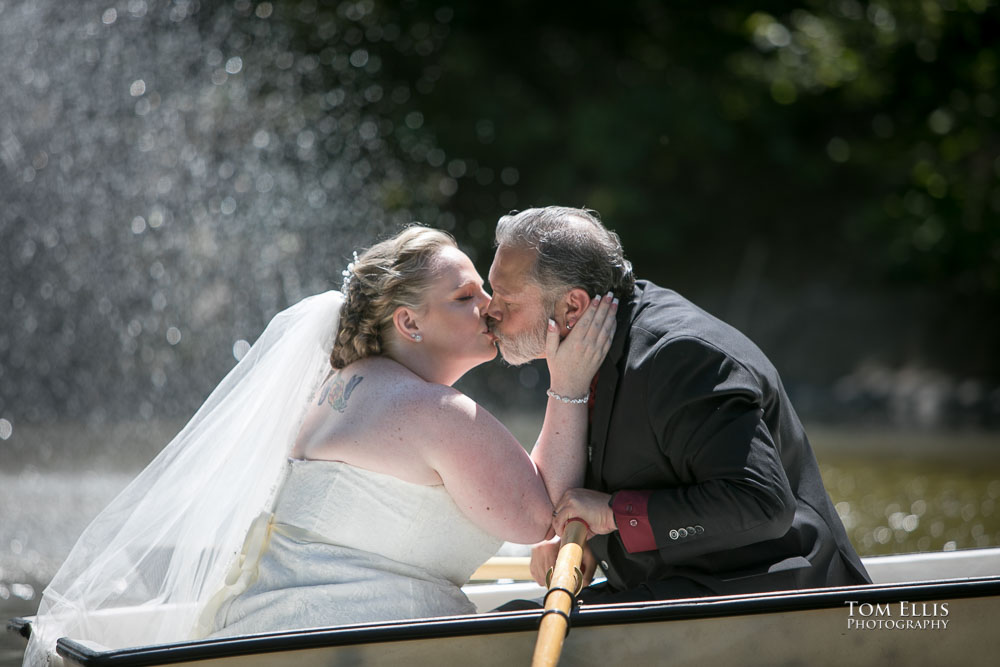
column 576, row 303
column 405, row 322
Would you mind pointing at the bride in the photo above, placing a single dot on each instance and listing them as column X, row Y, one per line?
column 334, row 476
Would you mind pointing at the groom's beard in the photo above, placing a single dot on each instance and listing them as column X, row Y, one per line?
column 523, row 347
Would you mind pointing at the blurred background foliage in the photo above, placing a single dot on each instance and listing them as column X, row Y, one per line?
column 824, row 174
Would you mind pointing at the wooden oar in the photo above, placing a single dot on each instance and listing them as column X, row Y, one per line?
column 563, row 586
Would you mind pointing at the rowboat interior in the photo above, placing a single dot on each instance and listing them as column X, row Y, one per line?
column 922, row 609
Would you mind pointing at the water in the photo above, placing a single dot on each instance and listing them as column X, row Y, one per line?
column 172, row 175
column 43, row 513
column 897, row 493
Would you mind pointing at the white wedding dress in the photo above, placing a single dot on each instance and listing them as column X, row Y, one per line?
column 349, row 545
column 323, row 543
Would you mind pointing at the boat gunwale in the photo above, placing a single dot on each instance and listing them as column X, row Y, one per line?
column 491, row 623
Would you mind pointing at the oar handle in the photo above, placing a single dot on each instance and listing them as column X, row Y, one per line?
column 564, row 585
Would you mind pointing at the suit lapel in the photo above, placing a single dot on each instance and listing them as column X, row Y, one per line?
column 607, row 386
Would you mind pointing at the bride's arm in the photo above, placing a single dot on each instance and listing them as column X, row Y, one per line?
column 484, row 468
column 560, row 451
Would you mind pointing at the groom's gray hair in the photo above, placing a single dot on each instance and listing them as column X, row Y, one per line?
column 574, row 249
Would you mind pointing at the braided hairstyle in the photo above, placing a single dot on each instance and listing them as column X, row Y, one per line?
column 393, row 273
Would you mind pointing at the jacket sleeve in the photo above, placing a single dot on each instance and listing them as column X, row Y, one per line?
column 706, row 411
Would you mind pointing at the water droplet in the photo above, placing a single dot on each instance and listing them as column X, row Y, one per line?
column 264, row 183
column 838, row 150
column 414, row 120
column 240, row 349
column 359, row 58
column 23, row 591
column 457, row 168
column 305, row 139
column 155, row 218
column 485, row 130
column 448, row 186
column 137, row 8
column 435, row 157
column 510, row 176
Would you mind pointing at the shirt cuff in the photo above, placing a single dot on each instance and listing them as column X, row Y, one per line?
column 632, row 516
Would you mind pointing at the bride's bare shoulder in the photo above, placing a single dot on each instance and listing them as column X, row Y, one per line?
column 444, row 413
column 430, row 400
column 388, row 396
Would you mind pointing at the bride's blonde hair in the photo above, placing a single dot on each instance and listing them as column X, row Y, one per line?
column 393, row 273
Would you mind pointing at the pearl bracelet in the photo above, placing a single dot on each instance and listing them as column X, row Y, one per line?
column 565, row 399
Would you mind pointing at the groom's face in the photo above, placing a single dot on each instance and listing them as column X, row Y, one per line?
column 516, row 315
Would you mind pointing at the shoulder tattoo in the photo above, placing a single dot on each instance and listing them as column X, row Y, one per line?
column 337, row 391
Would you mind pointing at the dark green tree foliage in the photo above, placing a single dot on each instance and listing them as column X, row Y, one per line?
column 868, row 130
column 838, row 142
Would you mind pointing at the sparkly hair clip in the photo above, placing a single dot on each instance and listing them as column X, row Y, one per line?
column 348, row 273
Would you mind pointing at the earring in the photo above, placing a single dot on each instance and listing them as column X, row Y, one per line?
column 416, row 337
column 569, row 326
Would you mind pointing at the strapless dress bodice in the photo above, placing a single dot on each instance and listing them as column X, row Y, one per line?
column 348, row 506
column 349, row 545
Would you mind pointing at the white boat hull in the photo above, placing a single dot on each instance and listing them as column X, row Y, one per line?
column 911, row 621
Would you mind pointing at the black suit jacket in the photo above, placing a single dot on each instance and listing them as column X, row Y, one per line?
column 690, row 409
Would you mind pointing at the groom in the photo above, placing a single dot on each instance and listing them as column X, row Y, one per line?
column 701, row 480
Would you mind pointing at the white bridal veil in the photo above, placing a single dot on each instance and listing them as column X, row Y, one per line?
column 165, row 545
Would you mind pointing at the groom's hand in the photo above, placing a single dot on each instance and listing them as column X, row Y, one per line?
column 591, row 506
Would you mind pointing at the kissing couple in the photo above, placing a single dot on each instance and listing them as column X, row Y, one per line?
column 336, row 476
